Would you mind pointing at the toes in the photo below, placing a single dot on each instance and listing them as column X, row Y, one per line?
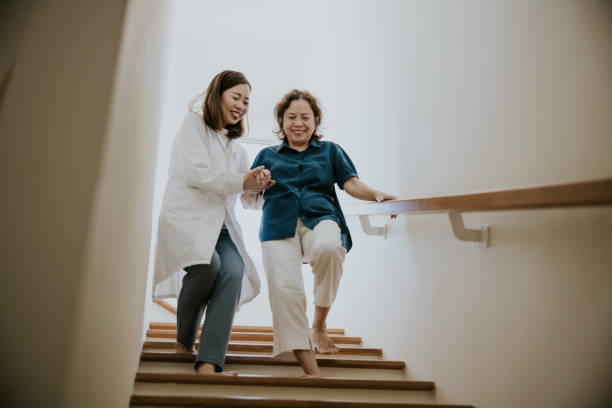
column 324, row 350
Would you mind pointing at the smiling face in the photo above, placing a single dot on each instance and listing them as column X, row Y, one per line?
column 235, row 103
column 298, row 123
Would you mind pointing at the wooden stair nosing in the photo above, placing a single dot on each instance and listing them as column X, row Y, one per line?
column 239, row 329
column 258, row 402
column 268, row 360
column 267, row 348
column 169, row 334
column 277, row 381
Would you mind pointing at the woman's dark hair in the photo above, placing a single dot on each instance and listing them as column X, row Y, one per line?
column 283, row 105
column 211, row 107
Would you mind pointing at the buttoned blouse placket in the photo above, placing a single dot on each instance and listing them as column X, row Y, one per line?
column 299, row 183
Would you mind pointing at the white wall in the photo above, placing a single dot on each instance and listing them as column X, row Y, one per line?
column 492, row 96
column 433, row 98
column 336, row 50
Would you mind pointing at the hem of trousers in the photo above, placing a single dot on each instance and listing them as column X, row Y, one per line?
column 324, row 304
column 292, row 344
column 201, row 360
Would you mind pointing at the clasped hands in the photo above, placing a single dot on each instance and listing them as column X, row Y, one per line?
column 258, row 179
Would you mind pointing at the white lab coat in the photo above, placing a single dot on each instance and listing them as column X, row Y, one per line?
column 206, row 174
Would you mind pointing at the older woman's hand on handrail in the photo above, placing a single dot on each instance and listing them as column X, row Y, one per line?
column 358, row 189
column 380, row 197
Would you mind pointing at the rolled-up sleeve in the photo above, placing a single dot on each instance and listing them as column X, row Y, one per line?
column 304, row 189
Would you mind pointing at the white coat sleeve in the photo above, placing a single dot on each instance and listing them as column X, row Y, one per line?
column 249, row 199
column 191, row 160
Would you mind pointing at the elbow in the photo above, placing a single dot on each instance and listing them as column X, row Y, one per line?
column 350, row 186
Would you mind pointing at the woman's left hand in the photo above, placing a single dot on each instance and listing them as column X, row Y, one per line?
column 380, row 197
column 362, row 191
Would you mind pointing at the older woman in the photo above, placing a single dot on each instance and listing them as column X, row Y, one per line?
column 303, row 222
column 198, row 231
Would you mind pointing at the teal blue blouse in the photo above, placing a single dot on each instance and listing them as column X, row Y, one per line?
column 304, row 188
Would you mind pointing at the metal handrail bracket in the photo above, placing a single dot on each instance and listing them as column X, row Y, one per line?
column 370, row 229
column 479, row 236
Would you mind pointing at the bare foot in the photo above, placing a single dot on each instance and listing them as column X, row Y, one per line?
column 310, row 376
column 309, row 363
column 179, row 348
column 323, row 344
column 209, row 369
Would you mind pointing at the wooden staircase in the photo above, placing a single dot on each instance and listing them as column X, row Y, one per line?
column 356, row 377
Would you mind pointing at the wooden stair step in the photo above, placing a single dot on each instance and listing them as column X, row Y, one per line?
column 277, row 370
column 258, row 402
column 269, row 360
column 359, row 379
column 171, row 334
column 238, row 329
column 265, row 348
column 276, row 381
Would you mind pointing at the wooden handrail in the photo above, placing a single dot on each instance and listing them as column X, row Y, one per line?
column 165, row 305
column 584, row 194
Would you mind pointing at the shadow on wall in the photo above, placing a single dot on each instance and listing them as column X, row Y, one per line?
column 14, row 17
column 5, row 81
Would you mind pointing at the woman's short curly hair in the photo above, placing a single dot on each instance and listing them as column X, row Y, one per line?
column 283, row 105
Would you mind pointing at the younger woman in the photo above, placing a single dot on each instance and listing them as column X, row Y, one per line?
column 198, row 231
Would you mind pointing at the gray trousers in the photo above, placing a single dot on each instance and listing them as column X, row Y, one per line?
column 214, row 288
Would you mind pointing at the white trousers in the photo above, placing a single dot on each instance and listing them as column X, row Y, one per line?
column 322, row 248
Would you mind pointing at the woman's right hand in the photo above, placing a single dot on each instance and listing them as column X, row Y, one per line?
column 258, row 179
